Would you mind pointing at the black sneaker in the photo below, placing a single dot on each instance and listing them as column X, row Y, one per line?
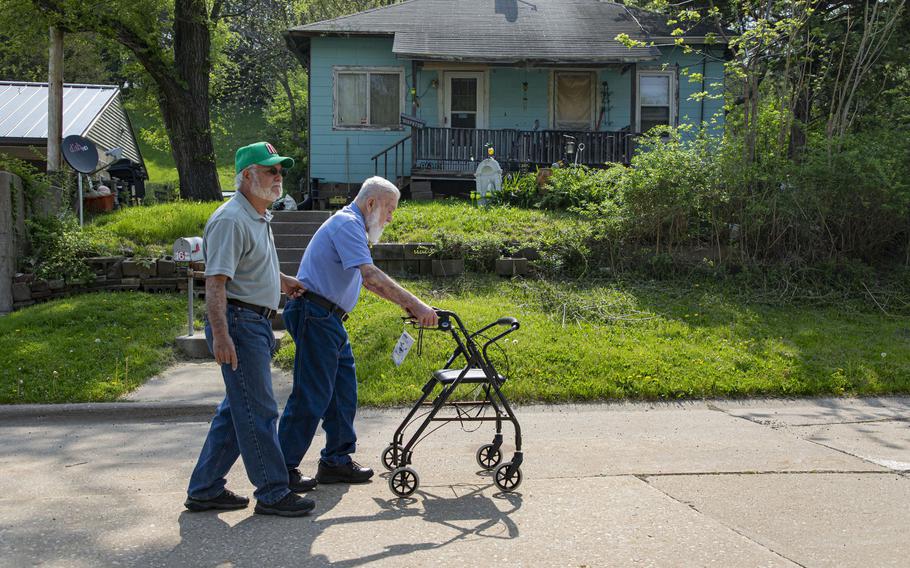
column 291, row 505
column 298, row 483
column 351, row 472
column 227, row 501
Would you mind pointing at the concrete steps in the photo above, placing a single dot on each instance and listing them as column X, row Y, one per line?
column 293, row 231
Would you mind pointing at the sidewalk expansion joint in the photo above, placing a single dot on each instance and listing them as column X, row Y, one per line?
column 768, row 472
column 846, row 453
column 729, row 527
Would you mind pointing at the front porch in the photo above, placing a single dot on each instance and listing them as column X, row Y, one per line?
column 453, row 153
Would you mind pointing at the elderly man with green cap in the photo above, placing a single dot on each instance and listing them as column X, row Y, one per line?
column 243, row 286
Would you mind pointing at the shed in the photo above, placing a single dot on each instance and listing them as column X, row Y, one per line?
column 93, row 111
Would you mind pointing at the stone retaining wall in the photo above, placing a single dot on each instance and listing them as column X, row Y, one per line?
column 12, row 235
column 116, row 273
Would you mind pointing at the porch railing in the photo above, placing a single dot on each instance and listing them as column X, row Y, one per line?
column 460, row 149
column 398, row 154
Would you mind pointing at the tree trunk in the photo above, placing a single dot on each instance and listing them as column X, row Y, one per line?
column 190, row 135
column 185, row 104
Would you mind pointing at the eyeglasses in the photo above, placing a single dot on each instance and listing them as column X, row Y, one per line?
column 272, row 171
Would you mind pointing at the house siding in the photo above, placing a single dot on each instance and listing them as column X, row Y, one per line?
column 344, row 156
column 689, row 109
column 112, row 130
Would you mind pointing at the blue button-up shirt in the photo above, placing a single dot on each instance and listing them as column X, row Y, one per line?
column 330, row 265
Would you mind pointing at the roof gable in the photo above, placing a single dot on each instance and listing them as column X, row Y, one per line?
column 562, row 31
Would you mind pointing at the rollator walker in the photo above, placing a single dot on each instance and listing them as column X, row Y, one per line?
column 479, row 372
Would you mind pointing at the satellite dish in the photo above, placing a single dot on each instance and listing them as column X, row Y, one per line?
column 80, row 153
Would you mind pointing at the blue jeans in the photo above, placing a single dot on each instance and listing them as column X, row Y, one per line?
column 245, row 422
column 325, row 386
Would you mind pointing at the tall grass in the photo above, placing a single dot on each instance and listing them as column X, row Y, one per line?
column 416, row 221
column 156, row 224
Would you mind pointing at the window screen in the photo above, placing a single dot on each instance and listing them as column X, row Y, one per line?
column 574, row 101
column 654, row 100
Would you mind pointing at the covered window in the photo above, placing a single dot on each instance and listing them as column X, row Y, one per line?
column 656, row 99
column 368, row 98
column 574, row 100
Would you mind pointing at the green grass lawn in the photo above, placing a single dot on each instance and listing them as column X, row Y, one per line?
column 581, row 341
column 88, row 348
column 639, row 341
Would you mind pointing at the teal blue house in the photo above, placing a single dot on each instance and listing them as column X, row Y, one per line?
column 417, row 91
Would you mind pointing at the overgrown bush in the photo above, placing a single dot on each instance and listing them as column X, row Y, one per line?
column 59, row 247
column 579, row 186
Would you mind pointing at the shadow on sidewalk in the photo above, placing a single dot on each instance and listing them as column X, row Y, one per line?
column 256, row 541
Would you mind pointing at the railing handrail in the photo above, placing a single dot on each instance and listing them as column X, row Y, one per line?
column 446, row 145
column 390, row 148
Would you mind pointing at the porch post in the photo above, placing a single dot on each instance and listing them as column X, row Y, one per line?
column 415, row 68
column 634, row 97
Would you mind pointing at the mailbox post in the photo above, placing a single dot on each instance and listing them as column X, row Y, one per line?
column 189, row 249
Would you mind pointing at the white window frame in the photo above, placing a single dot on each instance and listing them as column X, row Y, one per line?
column 482, row 95
column 673, row 94
column 554, row 96
column 342, row 69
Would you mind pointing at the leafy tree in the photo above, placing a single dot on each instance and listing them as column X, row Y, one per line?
column 173, row 43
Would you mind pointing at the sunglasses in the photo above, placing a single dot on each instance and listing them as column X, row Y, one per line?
column 272, row 171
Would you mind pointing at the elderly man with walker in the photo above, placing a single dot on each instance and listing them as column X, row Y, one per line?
column 336, row 264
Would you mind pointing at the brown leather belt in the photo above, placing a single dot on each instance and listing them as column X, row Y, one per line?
column 326, row 303
column 267, row 313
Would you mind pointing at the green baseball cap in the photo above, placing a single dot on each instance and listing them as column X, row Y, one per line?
column 261, row 154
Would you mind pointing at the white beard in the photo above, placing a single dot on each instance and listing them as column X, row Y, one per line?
column 374, row 226
column 265, row 191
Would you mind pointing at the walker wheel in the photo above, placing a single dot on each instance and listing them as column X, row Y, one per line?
column 504, row 481
column 488, row 456
column 403, row 481
column 387, row 457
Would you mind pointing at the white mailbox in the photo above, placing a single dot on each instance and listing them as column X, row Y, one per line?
column 188, row 249
column 488, row 177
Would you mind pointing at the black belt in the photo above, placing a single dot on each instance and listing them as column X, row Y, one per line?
column 326, row 303
column 267, row 313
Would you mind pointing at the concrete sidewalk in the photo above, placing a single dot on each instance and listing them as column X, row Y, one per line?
column 822, row 482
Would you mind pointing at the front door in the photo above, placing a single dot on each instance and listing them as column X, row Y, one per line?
column 464, row 107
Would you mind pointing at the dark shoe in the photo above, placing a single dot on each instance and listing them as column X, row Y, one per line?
column 350, row 472
column 227, row 501
column 291, row 505
column 298, row 483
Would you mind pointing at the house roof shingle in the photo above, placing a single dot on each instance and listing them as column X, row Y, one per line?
column 505, row 31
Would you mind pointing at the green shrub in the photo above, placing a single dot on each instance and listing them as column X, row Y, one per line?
column 518, row 190
column 670, row 190
column 578, row 186
column 58, row 248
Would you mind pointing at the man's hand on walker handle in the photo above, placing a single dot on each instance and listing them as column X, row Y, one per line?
column 424, row 314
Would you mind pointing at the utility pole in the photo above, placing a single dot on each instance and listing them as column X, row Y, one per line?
column 55, row 101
